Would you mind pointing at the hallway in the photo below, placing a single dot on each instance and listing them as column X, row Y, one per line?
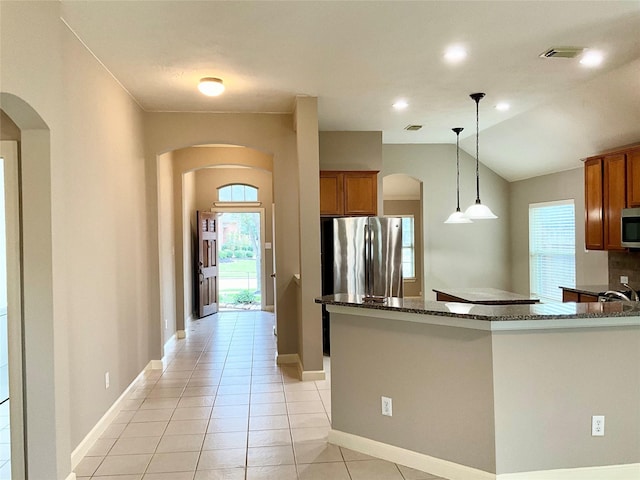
column 222, row 410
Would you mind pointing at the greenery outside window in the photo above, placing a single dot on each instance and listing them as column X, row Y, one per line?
column 552, row 248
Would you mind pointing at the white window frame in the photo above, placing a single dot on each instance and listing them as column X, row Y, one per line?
column 244, row 191
column 412, row 247
column 566, row 278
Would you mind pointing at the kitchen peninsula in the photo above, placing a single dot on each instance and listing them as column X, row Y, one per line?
column 488, row 392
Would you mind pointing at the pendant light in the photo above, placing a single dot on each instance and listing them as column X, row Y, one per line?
column 457, row 216
column 478, row 211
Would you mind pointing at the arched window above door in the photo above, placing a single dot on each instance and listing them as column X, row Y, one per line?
column 238, row 192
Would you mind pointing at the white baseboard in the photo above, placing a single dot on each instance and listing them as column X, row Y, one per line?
column 308, row 375
column 155, row 365
column 304, row 375
column 455, row 471
column 99, row 428
column 287, row 359
column 72, row 476
column 609, row 472
column 409, row 458
column 180, row 334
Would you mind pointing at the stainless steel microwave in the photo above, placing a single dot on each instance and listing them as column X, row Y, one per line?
column 631, row 227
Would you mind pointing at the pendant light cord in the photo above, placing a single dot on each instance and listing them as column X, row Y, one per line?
column 477, row 150
column 457, row 130
column 457, row 171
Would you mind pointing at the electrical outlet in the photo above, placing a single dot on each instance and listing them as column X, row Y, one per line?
column 106, row 380
column 624, row 279
column 387, row 406
column 597, row 426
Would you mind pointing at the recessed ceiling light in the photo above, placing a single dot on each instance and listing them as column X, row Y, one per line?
column 455, row 54
column 591, row 58
column 400, row 105
column 503, row 106
column 211, row 86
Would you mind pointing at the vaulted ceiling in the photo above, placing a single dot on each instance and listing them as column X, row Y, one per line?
column 360, row 57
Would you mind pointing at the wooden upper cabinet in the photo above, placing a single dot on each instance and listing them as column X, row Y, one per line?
column 615, row 199
column 361, row 193
column 633, row 178
column 331, row 193
column 348, row 193
column 594, row 207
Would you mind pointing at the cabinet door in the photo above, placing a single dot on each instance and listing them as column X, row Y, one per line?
column 570, row 296
column 331, row 193
column 586, row 298
column 594, row 223
column 615, row 199
column 360, row 193
column 633, row 178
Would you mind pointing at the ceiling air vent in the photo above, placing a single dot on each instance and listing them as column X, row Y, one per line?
column 413, row 128
column 562, row 52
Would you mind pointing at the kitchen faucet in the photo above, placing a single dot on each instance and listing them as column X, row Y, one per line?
column 636, row 298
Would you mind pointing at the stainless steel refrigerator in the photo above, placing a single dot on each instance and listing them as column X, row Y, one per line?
column 368, row 257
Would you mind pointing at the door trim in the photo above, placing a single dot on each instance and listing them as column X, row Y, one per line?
column 15, row 320
column 261, row 211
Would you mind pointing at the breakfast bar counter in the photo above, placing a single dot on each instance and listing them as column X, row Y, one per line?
column 488, row 392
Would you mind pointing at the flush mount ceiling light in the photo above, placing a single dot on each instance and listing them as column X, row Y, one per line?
column 591, row 58
column 457, row 216
column 503, row 106
column 211, row 86
column 400, row 105
column 455, row 54
column 478, row 211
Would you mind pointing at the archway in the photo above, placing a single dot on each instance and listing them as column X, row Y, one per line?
column 402, row 197
column 37, row 387
column 187, row 181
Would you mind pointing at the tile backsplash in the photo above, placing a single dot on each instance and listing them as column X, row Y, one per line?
column 624, row 263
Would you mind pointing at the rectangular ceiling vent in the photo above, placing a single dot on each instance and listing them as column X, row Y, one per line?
column 562, row 52
column 413, row 128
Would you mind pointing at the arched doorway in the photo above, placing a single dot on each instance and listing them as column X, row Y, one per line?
column 402, row 197
column 34, row 387
column 188, row 181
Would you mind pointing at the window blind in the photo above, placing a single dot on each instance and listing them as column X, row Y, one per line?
column 408, row 250
column 552, row 248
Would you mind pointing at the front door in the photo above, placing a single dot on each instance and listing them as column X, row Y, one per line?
column 207, row 264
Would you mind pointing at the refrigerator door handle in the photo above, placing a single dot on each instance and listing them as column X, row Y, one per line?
column 367, row 261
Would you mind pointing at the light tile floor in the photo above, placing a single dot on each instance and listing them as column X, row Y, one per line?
column 223, row 410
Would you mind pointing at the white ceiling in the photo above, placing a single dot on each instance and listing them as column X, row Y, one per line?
column 359, row 57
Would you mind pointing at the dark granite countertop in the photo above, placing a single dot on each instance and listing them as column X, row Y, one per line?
column 596, row 289
column 486, row 296
column 537, row 311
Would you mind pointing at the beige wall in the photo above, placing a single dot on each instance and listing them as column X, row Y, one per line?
column 412, row 288
column 8, row 129
column 466, row 255
column 591, row 266
column 166, row 227
column 85, row 232
column 310, row 327
column 208, row 180
column 188, row 233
